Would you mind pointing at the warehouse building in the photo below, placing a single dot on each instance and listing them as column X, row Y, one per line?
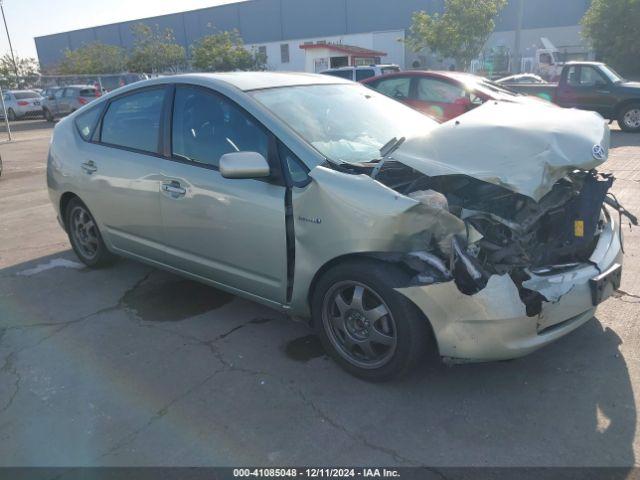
column 294, row 33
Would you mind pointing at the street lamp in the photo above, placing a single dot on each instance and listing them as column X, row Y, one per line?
column 13, row 58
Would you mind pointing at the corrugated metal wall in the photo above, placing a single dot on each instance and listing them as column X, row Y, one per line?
column 272, row 20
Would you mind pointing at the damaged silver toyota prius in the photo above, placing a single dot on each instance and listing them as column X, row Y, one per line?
column 485, row 238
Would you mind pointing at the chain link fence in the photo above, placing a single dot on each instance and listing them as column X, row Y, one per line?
column 11, row 93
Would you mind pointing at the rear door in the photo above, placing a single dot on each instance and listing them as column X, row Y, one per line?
column 230, row 231
column 121, row 170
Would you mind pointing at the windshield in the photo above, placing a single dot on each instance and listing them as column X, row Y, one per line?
column 25, row 95
column 347, row 123
column 611, row 74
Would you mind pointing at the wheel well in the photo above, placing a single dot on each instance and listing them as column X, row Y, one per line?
column 624, row 104
column 368, row 256
column 64, row 201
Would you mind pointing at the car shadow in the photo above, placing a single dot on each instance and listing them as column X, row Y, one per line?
column 26, row 125
column 624, row 139
column 569, row 404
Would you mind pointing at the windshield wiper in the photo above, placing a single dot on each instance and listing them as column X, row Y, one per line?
column 386, row 150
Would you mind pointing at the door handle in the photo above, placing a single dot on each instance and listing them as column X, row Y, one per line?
column 174, row 189
column 89, row 167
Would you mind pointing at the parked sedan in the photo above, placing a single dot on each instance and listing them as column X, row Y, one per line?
column 21, row 104
column 442, row 95
column 61, row 101
column 483, row 239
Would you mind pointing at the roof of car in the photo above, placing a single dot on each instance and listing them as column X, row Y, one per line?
column 577, row 62
column 258, row 80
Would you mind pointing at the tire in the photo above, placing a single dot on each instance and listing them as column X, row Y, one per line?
column 85, row 236
column 48, row 115
column 629, row 118
column 11, row 115
column 397, row 340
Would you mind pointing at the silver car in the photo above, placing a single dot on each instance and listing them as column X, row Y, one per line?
column 21, row 104
column 61, row 101
column 483, row 238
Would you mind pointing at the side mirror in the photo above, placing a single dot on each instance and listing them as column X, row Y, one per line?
column 51, row 97
column 601, row 84
column 244, row 165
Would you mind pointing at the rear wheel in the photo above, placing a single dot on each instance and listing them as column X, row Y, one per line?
column 369, row 329
column 48, row 115
column 11, row 114
column 629, row 118
column 85, row 236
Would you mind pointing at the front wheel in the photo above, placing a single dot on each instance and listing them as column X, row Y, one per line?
column 11, row 115
column 369, row 329
column 629, row 118
column 85, row 236
column 48, row 116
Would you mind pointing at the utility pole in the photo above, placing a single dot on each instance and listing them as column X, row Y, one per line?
column 518, row 42
column 13, row 58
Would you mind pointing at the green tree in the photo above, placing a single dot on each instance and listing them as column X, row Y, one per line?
column 155, row 51
column 460, row 32
column 613, row 28
column 93, row 58
column 225, row 51
column 27, row 67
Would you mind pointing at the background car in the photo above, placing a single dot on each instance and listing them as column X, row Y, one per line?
column 527, row 78
column 61, row 101
column 442, row 95
column 360, row 73
column 22, row 104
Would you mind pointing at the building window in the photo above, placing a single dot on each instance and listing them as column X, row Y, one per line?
column 262, row 50
column 284, row 53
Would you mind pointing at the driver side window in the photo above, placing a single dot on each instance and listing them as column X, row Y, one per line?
column 589, row 77
column 206, row 126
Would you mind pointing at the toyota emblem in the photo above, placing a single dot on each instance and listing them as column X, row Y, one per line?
column 598, row 152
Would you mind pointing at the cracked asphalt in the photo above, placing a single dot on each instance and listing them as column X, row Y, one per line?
column 131, row 366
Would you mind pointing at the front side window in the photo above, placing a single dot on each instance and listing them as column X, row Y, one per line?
column 395, row 87
column 572, row 77
column 133, row 121
column 590, row 76
column 346, row 122
column 206, row 126
column 432, row 90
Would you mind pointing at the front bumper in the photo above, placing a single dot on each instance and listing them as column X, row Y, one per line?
column 493, row 324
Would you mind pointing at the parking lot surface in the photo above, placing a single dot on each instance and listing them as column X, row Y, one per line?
column 131, row 366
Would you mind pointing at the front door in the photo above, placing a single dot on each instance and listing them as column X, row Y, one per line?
column 230, row 231
column 588, row 89
column 122, row 168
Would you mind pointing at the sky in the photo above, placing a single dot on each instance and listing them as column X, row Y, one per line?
column 27, row 19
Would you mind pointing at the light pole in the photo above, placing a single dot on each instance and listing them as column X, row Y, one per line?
column 13, row 58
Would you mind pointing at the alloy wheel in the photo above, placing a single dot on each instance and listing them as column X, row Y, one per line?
column 632, row 118
column 359, row 324
column 84, row 232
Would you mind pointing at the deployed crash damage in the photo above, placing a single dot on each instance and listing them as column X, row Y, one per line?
column 495, row 214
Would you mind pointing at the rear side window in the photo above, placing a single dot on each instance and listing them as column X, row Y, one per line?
column 348, row 74
column 88, row 92
column 363, row 73
column 133, row 121
column 206, row 126
column 397, row 87
column 86, row 121
column 69, row 92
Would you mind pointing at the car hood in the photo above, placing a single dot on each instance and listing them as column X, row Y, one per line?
column 630, row 85
column 524, row 148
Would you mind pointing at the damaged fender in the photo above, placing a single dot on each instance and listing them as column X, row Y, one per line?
column 340, row 213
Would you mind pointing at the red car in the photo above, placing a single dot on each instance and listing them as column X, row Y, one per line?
column 442, row 95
